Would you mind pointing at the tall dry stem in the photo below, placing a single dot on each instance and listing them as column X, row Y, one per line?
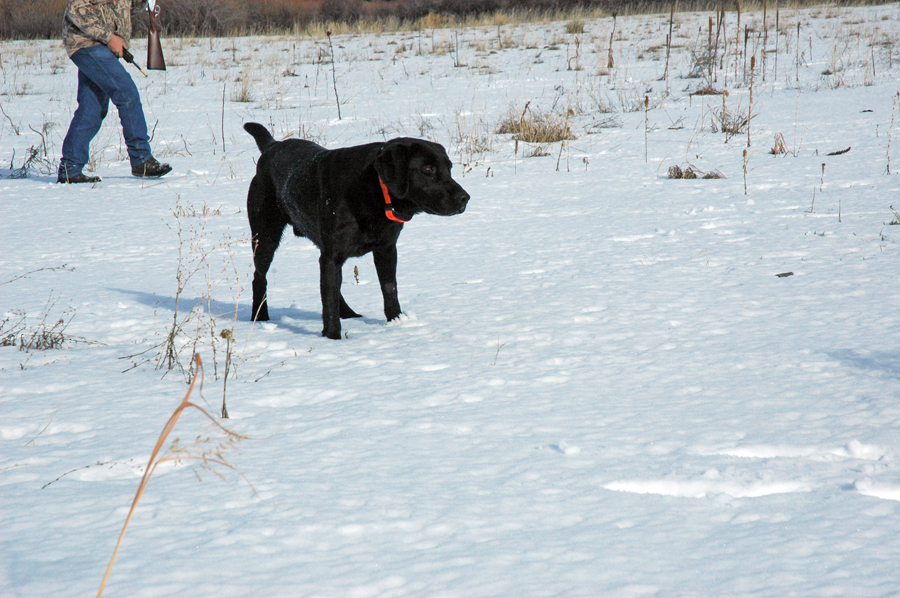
column 750, row 107
column 746, row 159
column 669, row 44
column 214, row 458
column 894, row 109
column 610, row 63
column 334, row 74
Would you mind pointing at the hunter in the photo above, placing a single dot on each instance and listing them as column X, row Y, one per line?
column 95, row 35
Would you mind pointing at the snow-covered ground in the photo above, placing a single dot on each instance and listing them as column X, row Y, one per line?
column 600, row 386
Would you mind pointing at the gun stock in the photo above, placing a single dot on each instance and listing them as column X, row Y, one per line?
column 155, row 60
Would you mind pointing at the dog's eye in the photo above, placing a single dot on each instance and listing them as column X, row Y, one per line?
column 429, row 169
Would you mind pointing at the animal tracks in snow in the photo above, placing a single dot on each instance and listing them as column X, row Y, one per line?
column 564, row 448
column 735, row 484
column 885, row 491
column 853, row 450
column 700, row 488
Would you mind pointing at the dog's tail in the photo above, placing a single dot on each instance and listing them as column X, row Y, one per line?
column 261, row 134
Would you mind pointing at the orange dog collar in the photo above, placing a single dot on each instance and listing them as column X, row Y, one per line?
column 388, row 208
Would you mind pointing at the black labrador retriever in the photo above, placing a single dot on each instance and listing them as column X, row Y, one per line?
column 348, row 202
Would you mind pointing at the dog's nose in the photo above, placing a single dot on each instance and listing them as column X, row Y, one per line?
column 461, row 199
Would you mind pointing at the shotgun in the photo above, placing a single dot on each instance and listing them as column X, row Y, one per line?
column 155, row 60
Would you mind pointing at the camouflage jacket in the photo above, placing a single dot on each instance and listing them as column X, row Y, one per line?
column 93, row 22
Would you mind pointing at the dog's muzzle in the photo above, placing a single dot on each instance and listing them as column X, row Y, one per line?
column 460, row 200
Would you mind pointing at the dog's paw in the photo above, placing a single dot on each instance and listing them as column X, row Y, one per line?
column 332, row 334
column 403, row 319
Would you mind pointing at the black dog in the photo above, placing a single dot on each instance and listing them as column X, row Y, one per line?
column 348, row 202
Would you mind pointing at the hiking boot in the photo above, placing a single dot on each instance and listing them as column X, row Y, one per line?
column 151, row 168
column 77, row 178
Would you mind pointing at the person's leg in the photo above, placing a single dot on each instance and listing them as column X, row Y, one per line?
column 93, row 104
column 103, row 69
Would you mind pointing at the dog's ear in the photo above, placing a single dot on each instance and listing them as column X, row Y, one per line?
column 392, row 165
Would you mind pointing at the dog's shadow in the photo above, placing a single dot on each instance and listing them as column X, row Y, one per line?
column 281, row 316
column 881, row 363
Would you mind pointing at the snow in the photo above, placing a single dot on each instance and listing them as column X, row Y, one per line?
column 599, row 386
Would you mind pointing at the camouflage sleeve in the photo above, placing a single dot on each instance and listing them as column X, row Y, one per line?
column 85, row 16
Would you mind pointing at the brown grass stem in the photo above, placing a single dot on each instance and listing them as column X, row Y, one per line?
column 646, row 127
column 750, row 107
column 154, row 461
column 334, row 74
column 610, row 63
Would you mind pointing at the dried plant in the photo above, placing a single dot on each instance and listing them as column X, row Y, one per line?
column 472, row 138
column 610, row 63
column 49, row 333
column 244, row 91
column 532, row 126
column 895, row 107
column 750, row 107
column 780, row 147
column 205, row 449
column 896, row 220
column 11, row 328
column 692, row 172
column 731, row 122
column 204, row 265
column 333, row 74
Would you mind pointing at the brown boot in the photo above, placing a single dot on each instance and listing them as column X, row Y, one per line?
column 151, row 168
column 77, row 178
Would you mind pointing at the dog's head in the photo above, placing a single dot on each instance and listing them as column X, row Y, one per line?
column 417, row 174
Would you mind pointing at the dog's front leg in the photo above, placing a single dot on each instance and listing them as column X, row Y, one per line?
column 330, row 288
column 386, row 267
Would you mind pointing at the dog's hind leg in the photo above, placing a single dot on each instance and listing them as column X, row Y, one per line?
column 346, row 312
column 267, row 224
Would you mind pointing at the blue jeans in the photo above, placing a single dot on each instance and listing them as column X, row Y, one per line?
column 101, row 78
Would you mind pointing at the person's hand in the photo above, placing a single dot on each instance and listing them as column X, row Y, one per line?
column 116, row 45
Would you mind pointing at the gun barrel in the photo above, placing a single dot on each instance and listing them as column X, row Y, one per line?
column 129, row 57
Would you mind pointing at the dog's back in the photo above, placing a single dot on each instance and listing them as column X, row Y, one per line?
column 285, row 189
column 292, row 156
column 265, row 141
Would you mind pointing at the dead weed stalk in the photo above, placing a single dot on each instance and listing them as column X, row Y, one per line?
column 205, row 450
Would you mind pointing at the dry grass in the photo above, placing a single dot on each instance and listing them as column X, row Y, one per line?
column 28, row 19
column 535, row 126
column 43, row 337
column 243, row 91
column 780, row 147
column 692, row 172
column 49, row 332
column 896, row 220
column 575, row 26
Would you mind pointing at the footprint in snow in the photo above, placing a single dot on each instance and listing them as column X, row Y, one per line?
column 564, row 448
column 700, row 488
